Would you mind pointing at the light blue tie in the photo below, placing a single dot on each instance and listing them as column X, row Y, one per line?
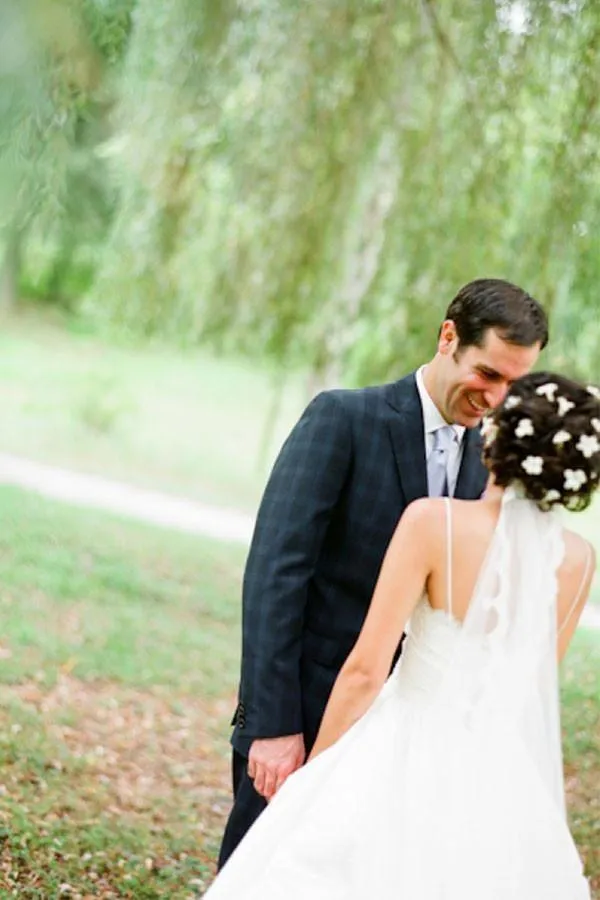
column 437, row 464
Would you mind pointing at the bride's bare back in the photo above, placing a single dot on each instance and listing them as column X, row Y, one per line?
column 473, row 526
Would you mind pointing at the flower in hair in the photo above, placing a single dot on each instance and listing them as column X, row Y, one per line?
column 511, row 402
column 551, row 496
column 533, row 465
column 588, row 445
column 489, row 431
column 561, row 437
column 594, row 391
column 547, row 390
column 524, row 428
column 564, row 405
column 574, row 479
column 572, row 503
column 596, row 425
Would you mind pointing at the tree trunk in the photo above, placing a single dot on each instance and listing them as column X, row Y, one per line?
column 10, row 272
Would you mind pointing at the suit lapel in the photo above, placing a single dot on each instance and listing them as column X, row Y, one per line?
column 407, row 435
column 408, row 440
column 472, row 476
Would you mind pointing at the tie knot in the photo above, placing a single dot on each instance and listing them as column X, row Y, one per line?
column 443, row 438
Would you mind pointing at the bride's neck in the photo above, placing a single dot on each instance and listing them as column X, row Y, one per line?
column 493, row 493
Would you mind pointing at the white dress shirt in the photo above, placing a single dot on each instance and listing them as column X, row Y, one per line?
column 432, row 420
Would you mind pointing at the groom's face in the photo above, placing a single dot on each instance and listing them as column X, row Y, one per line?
column 476, row 379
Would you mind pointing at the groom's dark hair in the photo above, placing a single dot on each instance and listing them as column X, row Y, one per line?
column 490, row 303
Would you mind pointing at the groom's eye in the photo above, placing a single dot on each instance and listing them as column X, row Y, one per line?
column 489, row 374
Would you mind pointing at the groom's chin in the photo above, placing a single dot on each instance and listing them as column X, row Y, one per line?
column 469, row 420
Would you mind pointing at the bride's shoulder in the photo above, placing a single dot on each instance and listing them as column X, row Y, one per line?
column 579, row 554
column 425, row 517
column 432, row 514
column 577, row 547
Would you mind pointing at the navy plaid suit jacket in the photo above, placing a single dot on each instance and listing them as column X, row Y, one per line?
column 347, row 471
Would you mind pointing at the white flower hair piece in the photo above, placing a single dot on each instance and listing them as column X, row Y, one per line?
column 572, row 503
column 489, row 431
column 574, row 479
column 524, row 428
column 533, row 465
column 596, row 425
column 561, row 438
column 551, row 496
column 564, row 405
column 588, row 445
column 547, row 390
column 511, row 402
column 594, row 391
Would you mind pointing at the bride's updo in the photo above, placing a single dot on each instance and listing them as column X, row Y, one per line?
column 545, row 437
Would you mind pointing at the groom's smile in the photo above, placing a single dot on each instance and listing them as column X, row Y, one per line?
column 467, row 382
column 478, row 409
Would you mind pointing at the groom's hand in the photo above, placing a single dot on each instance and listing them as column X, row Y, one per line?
column 272, row 760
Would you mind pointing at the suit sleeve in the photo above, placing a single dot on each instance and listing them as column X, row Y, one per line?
column 300, row 496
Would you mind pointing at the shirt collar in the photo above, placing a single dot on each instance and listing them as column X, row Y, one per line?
column 432, row 417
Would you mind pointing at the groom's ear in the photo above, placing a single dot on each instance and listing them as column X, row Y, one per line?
column 448, row 339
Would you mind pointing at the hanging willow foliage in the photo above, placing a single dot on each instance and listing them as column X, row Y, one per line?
column 313, row 182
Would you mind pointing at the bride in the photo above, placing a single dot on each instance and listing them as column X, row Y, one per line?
column 444, row 782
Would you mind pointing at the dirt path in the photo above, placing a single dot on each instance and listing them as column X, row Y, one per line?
column 148, row 506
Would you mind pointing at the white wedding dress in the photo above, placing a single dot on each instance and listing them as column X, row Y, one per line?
column 450, row 786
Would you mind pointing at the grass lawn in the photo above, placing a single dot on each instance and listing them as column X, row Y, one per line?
column 580, row 693
column 183, row 421
column 118, row 661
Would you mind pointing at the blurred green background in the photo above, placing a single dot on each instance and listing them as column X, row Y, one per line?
column 208, row 212
column 308, row 183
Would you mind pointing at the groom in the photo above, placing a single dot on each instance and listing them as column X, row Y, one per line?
column 347, row 471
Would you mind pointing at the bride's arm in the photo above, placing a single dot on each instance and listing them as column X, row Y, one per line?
column 575, row 580
column 402, row 579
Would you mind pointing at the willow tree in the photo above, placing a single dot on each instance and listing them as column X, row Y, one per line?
column 56, row 62
column 313, row 182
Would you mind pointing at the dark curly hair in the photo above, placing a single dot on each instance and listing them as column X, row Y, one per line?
column 546, row 437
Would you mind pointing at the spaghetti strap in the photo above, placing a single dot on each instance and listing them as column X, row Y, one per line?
column 575, row 603
column 448, row 556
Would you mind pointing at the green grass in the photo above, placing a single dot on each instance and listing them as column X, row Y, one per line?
column 183, row 421
column 119, row 652
column 580, row 696
column 110, row 599
column 119, row 656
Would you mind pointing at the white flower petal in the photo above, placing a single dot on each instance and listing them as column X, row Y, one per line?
column 551, row 496
column 588, row 445
column 511, row 402
column 489, row 431
column 561, row 437
column 564, row 405
column 524, row 428
column 533, row 465
column 574, row 479
column 594, row 391
column 547, row 390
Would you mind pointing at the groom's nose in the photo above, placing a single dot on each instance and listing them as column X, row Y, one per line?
column 494, row 395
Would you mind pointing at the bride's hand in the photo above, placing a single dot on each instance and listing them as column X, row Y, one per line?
column 272, row 760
